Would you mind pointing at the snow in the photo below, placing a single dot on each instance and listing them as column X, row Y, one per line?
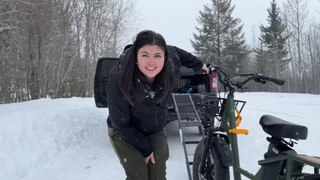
column 66, row 139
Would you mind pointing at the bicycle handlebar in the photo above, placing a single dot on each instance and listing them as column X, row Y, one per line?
column 226, row 79
column 276, row 81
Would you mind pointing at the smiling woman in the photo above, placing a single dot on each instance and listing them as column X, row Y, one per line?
column 139, row 91
column 137, row 110
column 151, row 61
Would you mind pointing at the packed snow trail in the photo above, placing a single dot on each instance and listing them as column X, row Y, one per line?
column 66, row 139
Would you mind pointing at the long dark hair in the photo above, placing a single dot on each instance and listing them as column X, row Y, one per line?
column 133, row 82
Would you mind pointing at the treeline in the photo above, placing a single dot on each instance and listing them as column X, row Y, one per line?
column 49, row 48
column 287, row 48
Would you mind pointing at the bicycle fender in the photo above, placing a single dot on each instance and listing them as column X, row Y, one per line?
column 224, row 151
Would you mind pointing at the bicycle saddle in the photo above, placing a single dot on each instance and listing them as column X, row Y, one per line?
column 277, row 127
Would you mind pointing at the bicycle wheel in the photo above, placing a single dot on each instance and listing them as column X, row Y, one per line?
column 213, row 168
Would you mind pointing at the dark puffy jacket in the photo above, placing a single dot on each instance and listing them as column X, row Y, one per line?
column 135, row 123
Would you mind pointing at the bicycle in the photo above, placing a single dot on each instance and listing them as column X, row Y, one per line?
column 218, row 150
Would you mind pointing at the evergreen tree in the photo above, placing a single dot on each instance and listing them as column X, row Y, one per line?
column 273, row 41
column 220, row 39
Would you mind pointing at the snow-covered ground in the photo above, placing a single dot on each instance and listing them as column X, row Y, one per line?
column 66, row 139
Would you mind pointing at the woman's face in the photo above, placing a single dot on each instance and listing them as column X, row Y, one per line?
column 150, row 61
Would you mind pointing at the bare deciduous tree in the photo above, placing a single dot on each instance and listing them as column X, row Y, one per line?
column 50, row 47
column 296, row 14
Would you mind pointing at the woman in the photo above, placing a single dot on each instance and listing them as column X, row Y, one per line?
column 138, row 93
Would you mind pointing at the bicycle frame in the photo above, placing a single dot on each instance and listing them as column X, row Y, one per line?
column 281, row 161
column 229, row 117
column 293, row 161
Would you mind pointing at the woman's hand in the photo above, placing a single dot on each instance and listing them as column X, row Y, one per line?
column 205, row 69
column 150, row 158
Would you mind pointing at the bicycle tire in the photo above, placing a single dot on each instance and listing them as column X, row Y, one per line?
column 214, row 170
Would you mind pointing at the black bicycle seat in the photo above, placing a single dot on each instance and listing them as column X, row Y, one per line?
column 278, row 128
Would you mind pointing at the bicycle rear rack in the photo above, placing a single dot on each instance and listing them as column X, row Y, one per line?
column 189, row 122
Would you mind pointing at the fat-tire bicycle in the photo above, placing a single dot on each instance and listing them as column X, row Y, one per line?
column 218, row 150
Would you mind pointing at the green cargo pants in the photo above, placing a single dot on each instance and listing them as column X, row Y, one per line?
column 133, row 161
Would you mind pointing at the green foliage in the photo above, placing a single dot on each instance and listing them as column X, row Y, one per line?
column 220, row 39
column 273, row 53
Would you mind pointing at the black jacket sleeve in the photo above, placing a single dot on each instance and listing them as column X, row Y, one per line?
column 121, row 120
column 189, row 60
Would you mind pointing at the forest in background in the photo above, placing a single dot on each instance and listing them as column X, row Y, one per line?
column 49, row 48
column 288, row 46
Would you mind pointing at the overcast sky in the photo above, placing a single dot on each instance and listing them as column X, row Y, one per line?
column 176, row 19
